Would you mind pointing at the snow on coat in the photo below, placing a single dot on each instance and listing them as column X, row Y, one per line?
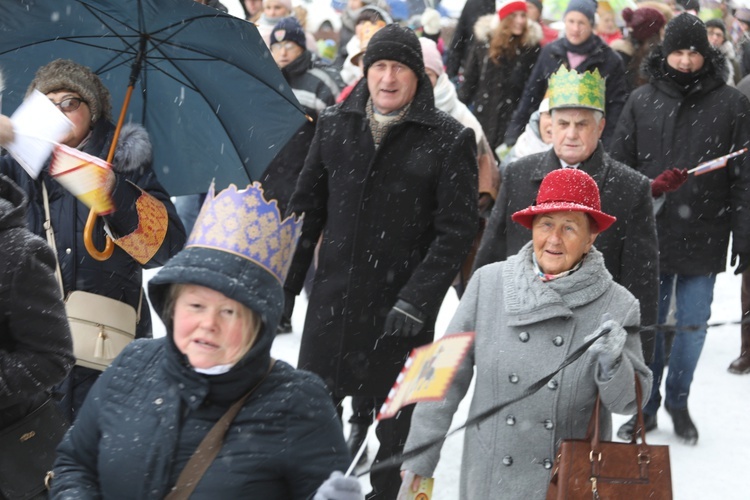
column 396, row 223
column 36, row 351
column 524, row 327
column 661, row 128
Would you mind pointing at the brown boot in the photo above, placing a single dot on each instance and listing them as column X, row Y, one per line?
column 741, row 365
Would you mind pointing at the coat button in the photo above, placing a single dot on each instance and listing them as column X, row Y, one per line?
column 507, row 460
column 513, row 378
column 158, row 401
column 523, row 336
column 68, row 251
column 547, row 463
column 549, row 424
column 558, row 341
column 510, row 420
column 552, row 384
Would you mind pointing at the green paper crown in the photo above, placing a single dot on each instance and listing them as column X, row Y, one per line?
column 570, row 89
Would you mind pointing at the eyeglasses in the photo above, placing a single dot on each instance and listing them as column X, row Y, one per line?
column 69, row 104
column 288, row 46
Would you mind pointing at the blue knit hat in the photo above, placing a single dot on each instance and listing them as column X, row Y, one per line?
column 585, row 7
column 289, row 29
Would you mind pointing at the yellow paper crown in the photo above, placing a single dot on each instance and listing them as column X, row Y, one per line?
column 570, row 89
column 243, row 223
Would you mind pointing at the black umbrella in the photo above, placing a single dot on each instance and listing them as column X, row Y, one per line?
column 205, row 85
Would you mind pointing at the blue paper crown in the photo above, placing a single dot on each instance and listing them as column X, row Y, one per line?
column 243, row 223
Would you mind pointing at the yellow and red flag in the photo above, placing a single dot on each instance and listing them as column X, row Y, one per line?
column 85, row 176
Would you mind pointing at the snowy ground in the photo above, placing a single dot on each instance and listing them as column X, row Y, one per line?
column 719, row 405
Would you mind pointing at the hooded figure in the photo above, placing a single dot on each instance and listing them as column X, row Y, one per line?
column 221, row 299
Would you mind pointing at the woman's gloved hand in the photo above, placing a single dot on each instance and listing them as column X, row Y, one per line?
column 668, row 181
column 338, row 487
column 608, row 348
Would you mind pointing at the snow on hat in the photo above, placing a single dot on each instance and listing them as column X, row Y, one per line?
column 64, row 74
column 509, row 7
column 289, row 29
column 432, row 58
column 566, row 190
column 686, row 31
column 643, row 22
column 395, row 43
column 585, row 7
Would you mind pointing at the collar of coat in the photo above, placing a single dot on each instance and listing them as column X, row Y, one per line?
column 422, row 108
column 714, row 75
column 595, row 165
column 133, row 150
column 529, row 300
column 596, row 56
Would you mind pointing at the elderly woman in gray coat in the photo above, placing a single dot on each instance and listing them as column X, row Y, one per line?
column 529, row 313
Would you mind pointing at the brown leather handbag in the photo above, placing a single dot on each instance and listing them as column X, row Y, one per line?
column 603, row 470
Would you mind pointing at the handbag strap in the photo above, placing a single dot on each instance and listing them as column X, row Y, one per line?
column 209, row 448
column 51, row 241
column 51, row 237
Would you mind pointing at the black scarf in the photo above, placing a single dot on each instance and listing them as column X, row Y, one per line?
column 586, row 47
column 685, row 81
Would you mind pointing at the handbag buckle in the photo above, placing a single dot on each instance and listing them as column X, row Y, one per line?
column 644, row 458
column 598, row 457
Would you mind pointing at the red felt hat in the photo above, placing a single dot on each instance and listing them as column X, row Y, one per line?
column 509, row 7
column 566, row 190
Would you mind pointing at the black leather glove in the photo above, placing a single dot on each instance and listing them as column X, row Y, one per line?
column 404, row 320
column 744, row 261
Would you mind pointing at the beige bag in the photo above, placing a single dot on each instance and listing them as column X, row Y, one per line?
column 101, row 326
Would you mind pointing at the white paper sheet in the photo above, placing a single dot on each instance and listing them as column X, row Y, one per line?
column 37, row 126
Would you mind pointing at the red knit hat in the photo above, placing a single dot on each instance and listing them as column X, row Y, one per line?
column 643, row 22
column 509, row 7
column 566, row 190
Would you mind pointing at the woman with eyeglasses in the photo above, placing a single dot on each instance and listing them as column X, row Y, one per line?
column 85, row 101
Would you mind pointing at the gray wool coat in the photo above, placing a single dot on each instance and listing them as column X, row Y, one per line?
column 525, row 328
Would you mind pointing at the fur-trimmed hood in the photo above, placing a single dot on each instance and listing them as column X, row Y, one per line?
column 134, row 150
column 713, row 73
column 486, row 24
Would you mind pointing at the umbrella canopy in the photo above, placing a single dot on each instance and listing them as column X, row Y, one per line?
column 206, row 87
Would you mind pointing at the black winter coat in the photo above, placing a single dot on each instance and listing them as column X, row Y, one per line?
column 36, row 351
column 663, row 127
column 629, row 246
column 396, row 223
column 148, row 413
column 493, row 88
column 552, row 56
column 315, row 87
column 463, row 36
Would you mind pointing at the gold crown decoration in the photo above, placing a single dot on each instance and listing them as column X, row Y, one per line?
column 243, row 223
column 570, row 89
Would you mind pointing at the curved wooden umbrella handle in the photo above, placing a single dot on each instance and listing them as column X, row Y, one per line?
column 88, row 241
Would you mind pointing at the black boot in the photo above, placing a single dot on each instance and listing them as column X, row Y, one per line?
column 357, row 436
column 625, row 432
column 683, row 425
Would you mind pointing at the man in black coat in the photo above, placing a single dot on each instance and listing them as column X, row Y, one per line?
column 463, row 36
column 390, row 183
column 629, row 246
column 581, row 50
column 684, row 116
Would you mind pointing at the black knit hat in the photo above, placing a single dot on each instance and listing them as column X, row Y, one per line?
column 289, row 29
column 685, row 31
column 395, row 43
column 717, row 23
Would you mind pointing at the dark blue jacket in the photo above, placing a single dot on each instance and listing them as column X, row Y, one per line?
column 550, row 59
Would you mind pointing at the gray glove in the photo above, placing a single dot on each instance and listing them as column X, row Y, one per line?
column 338, row 487
column 608, row 348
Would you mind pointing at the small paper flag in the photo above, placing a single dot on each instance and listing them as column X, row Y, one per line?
column 716, row 163
column 427, row 373
column 85, row 176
